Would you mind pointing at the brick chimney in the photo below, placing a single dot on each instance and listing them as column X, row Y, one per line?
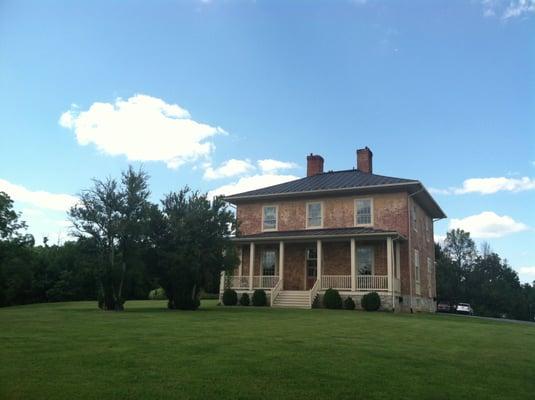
column 364, row 160
column 314, row 164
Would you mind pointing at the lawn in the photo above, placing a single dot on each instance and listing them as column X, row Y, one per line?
column 74, row 351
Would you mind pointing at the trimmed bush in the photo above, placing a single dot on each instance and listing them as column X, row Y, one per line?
column 230, row 297
column 244, row 300
column 332, row 299
column 371, row 301
column 157, row 294
column 259, row 298
column 349, row 304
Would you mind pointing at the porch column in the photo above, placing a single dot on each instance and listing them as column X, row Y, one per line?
column 319, row 261
column 251, row 265
column 398, row 261
column 353, row 266
column 389, row 262
column 240, row 266
column 281, row 260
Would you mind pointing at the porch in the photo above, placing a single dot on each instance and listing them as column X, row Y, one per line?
column 347, row 259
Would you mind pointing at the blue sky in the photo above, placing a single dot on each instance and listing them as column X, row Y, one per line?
column 228, row 95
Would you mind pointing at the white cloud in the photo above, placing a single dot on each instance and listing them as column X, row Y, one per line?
column 488, row 225
column 490, row 186
column 38, row 198
column 507, row 9
column 440, row 238
column 271, row 166
column 142, row 128
column 227, row 169
column 519, row 8
column 250, row 183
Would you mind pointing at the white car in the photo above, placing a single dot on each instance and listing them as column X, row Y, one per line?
column 464, row 308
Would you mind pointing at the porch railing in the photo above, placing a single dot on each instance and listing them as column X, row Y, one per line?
column 372, row 282
column 340, row 282
column 275, row 292
column 265, row 281
column 314, row 292
column 363, row 282
column 238, row 282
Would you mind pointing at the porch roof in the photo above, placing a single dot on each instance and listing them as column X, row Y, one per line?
column 319, row 234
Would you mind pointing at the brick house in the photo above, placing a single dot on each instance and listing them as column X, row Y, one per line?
column 349, row 230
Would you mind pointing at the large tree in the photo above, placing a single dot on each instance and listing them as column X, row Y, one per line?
column 113, row 215
column 189, row 245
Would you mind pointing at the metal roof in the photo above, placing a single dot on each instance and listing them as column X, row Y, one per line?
column 317, row 234
column 347, row 179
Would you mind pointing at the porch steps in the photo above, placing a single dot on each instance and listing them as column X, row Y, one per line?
column 293, row 299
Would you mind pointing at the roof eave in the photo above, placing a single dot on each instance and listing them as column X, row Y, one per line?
column 314, row 237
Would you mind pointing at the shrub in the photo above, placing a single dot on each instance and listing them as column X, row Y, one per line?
column 371, row 301
column 332, row 299
column 349, row 304
column 244, row 300
column 157, row 294
column 259, row 298
column 230, row 297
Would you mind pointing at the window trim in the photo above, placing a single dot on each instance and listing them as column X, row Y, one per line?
column 276, row 218
column 372, row 247
column 429, row 265
column 417, row 257
column 414, row 217
column 355, row 209
column 321, row 216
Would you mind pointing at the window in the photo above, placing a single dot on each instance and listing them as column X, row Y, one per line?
column 269, row 219
column 269, row 260
column 427, row 233
column 413, row 217
column 364, row 211
column 314, row 215
column 312, row 263
column 429, row 265
column 416, row 266
column 365, row 260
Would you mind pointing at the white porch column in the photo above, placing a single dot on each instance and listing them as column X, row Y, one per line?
column 240, row 266
column 251, row 265
column 398, row 260
column 281, row 260
column 319, row 261
column 389, row 262
column 353, row 266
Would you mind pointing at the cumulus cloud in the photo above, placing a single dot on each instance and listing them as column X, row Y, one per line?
column 38, row 198
column 250, row 183
column 488, row 225
column 142, row 128
column 271, row 166
column 228, row 169
column 490, row 186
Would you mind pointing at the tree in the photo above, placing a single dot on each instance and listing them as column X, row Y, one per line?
column 10, row 224
column 113, row 215
column 189, row 245
column 460, row 247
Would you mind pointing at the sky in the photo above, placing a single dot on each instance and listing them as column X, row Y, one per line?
column 226, row 96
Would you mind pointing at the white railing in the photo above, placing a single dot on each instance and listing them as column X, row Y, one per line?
column 336, row 282
column 372, row 282
column 238, row 282
column 314, row 292
column 265, row 281
column 275, row 292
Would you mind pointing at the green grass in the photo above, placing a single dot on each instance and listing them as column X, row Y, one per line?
column 74, row 351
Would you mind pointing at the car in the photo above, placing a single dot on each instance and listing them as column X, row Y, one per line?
column 464, row 308
column 443, row 306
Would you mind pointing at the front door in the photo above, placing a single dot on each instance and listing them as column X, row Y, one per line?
column 311, row 267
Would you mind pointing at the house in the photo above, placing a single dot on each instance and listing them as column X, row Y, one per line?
column 350, row 230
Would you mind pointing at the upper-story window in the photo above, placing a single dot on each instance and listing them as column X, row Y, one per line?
column 413, row 217
column 314, row 215
column 416, row 266
column 364, row 211
column 429, row 265
column 269, row 218
column 427, row 234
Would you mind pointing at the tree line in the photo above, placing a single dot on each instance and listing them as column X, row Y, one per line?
column 481, row 278
column 125, row 246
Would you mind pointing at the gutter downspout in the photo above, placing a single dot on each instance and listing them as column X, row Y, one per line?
column 409, row 215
